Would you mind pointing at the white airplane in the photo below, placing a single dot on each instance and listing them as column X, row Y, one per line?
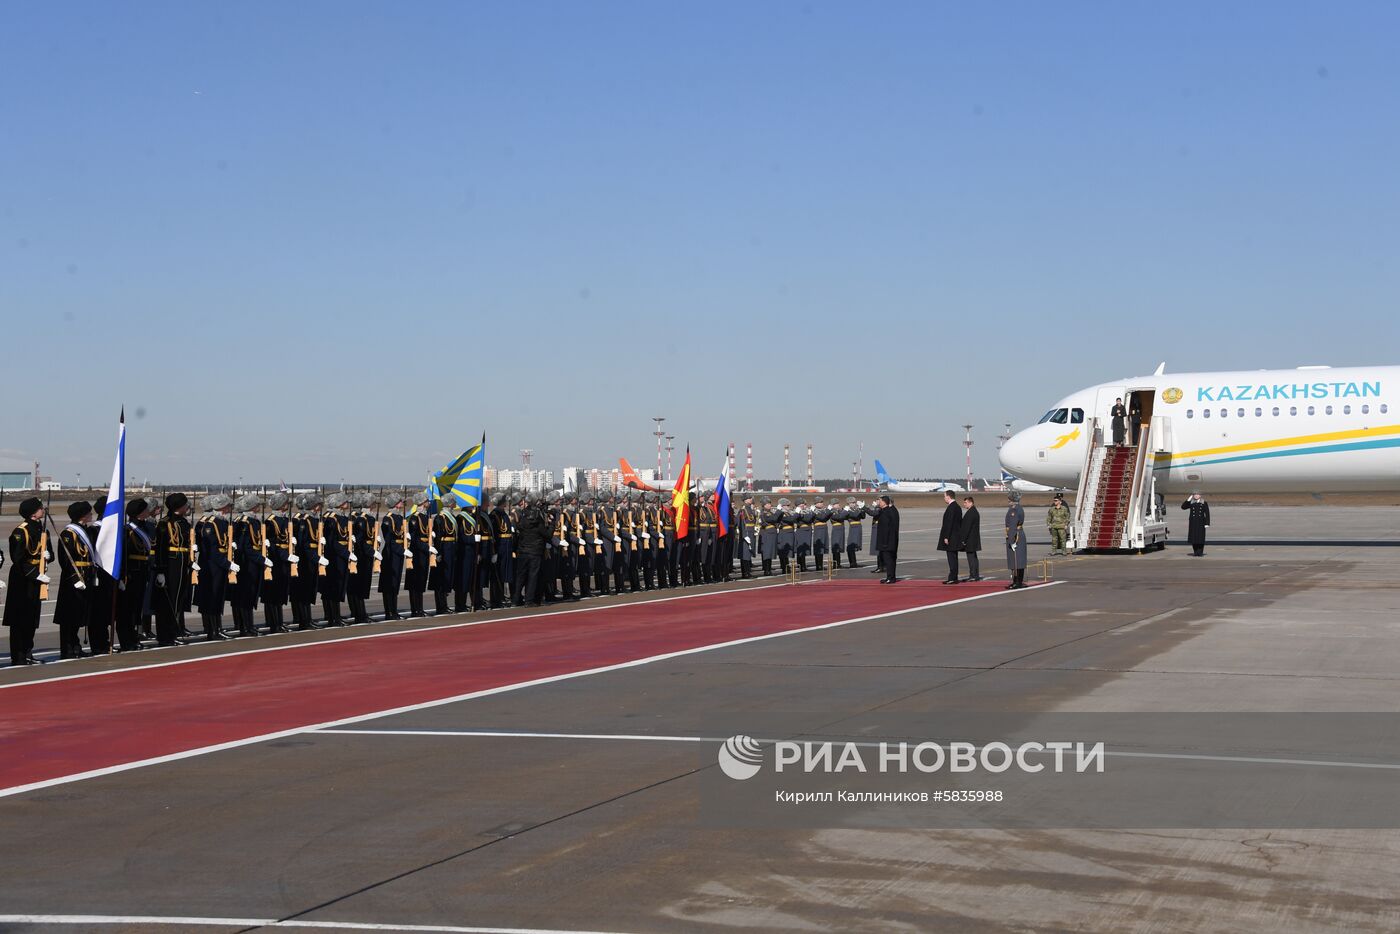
column 1310, row 429
column 1010, row 482
column 907, row 486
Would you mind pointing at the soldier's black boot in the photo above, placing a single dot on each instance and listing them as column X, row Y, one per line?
column 851, row 556
column 835, row 558
column 391, row 606
column 415, row 605
column 745, row 570
column 820, row 566
column 783, row 562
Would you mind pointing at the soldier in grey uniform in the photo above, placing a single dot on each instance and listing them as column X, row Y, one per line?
column 855, row 511
column 767, row 535
column 838, row 532
column 745, row 530
column 1016, row 542
column 787, row 532
column 803, row 536
column 821, row 532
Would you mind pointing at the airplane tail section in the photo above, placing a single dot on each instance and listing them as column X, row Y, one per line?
column 880, row 473
column 629, row 476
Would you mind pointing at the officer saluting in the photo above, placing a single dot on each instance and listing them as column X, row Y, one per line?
column 1199, row 522
column 30, row 554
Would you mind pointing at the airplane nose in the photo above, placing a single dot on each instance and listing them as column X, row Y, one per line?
column 1017, row 454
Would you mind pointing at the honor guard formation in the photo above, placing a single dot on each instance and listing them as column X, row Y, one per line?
column 228, row 556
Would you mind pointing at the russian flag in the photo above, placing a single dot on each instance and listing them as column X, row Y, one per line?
column 721, row 500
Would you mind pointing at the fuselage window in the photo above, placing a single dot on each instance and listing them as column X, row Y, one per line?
column 1346, row 410
column 1076, row 416
column 1224, row 413
column 1312, row 410
column 1365, row 410
column 1275, row 410
column 1328, row 410
column 1258, row 413
column 1240, row 413
column 1190, row 413
column 1205, row 413
column 1384, row 408
column 1292, row 410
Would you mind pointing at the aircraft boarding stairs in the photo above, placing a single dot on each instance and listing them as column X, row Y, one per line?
column 1117, row 508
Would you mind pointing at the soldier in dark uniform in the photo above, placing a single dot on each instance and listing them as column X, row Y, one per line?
column 668, row 534
column 277, row 533
column 365, row 555
column 248, row 541
column 855, row 511
column 468, row 542
column 335, row 551
column 631, row 541
column 307, row 530
column 133, row 596
column 213, row 536
column 661, row 559
column 485, row 561
column 72, row 611
column 1135, row 416
column 30, row 552
column 443, row 559
column 420, row 530
column 393, row 535
column 746, row 532
column 565, row 547
column 1199, row 511
column 592, row 563
column 101, row 603
column 531, row 536
column 803, row 534
column 646, row 540
column 821, row 532
column 174, row 569
column 1015, row 541
column 580, row 546
column 148, row 522
column 503, row 570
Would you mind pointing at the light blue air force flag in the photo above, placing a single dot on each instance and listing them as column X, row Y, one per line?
column 113, row 532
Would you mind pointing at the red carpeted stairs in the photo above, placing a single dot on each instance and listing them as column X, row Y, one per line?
column 1111, row 504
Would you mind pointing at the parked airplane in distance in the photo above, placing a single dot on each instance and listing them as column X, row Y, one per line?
column 1312, row 429
column 632, row 481
column 907, row 486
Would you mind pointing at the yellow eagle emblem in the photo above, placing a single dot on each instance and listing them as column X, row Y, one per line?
column 1172, row 396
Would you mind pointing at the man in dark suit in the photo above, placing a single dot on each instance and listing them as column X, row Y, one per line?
column 1199, row 522
column 950, row 536
column 971, row 534
column 1120, row 421
column 888, row 541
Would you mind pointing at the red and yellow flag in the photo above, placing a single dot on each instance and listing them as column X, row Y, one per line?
column 680, row 498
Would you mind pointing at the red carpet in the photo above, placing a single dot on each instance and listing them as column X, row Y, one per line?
column 62, row 728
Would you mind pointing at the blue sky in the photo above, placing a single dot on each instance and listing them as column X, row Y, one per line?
column 323, row 240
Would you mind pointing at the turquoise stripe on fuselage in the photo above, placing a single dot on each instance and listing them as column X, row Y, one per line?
column 1321, row 449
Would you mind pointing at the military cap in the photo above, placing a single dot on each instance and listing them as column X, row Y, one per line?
column 851, row 500
column 134, row 507
column 216, row 501
column 783, row 502
column 77, row 511
column 249, row 502
column 1014, row 497
column 277, row 500
column 28, row 507
column 421, row 499
column 176, row 501
column 99, row 506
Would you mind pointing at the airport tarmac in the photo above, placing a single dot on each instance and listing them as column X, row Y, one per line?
column 533, row 771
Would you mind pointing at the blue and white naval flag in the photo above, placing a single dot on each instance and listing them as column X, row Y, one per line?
column 113, row 534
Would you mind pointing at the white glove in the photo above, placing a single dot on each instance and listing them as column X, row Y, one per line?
column 354, row 558
column 323, row 541
column 646, row 535
column 407, row 553
column 294, row 539
column 267, row 562
column 378, row 556
column 747, row 540
column 293, row 559
column 477, row 537
column 160, row 580
column 42, row 578
column 432, row 550
column 195, row 566
column 634, row 538
column 234, row 567
column 597, row 541
column 324, row 562
column 121, row 585
column 78, row 585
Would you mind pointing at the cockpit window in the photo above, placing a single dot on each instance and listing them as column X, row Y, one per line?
column 1057, row 416
column 1076, row 416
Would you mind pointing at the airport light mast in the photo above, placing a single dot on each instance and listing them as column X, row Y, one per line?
column 967, row 443
column 670, row 446
column 660, row 435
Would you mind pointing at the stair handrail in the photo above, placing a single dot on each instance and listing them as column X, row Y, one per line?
column 1088, row 484
column 1135, row 497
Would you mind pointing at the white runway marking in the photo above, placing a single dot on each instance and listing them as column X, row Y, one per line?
column 552, row 679
column 867, row 744
column 274, row 923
